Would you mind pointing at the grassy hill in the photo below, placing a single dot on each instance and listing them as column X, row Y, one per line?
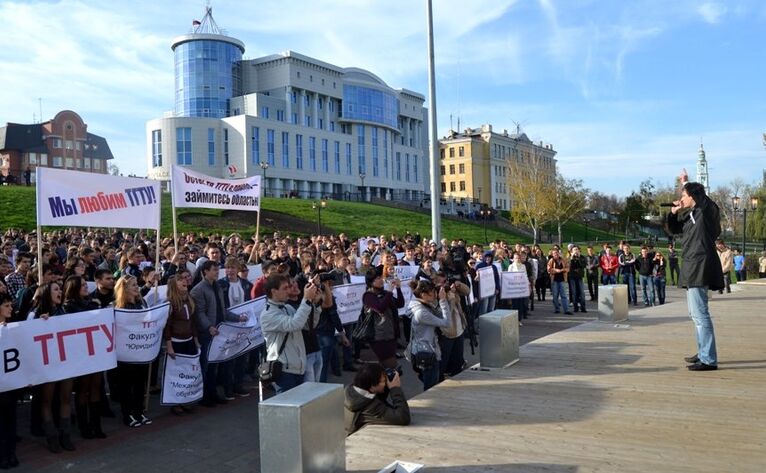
column 294, row 216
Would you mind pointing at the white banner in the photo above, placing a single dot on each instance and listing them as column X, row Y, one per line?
column 348, row 298
column 194, row 189
column 138, row 333
column 486, row 282
column 234, row 339
column 181, row 380
column 41, row 351
column 255, row 271
column 358, row 279
column 158, row 296
column 514, row 285
column 406, row 292
column 406, row 272
column 84, row 199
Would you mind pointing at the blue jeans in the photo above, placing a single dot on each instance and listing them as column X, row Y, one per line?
column 647, row 283
column 577, row 293
column 313, row 367
column 607, row 279
column 327, row 346
column 557, row 290
column 629, row 278
column 486, row 305
column 430, row 377
column 287, row 381
column 659, row 289
column 696, row 297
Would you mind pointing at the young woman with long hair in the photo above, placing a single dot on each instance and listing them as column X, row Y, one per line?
column 180, row 332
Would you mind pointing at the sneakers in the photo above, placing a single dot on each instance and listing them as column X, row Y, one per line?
column 692, row 359
column 568, row 312
column 241, row 392
column 228, row 397
column 700, row 366
column 145, row 420
column 132, row 422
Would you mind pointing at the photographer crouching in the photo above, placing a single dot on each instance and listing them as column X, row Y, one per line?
column 375, row 397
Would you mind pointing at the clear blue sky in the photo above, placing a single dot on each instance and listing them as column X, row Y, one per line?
column 624, row 90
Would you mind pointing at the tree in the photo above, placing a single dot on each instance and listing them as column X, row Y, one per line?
column 569, row 198
column 113, row 169
column 605, row 203
column 531, row 188
column 638, row 205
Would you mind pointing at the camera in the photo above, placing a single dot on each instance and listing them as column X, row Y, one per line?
column 390, row 373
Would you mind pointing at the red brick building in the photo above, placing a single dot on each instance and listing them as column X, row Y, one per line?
column 63, row 142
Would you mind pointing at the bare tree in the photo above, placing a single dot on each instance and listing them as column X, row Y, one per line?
column 569, row 198
column 113, row 170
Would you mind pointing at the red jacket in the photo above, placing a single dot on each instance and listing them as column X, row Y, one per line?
column 609, row 264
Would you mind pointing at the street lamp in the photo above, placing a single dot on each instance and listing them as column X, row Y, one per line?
column 484, row 214
column 479, row 191
column 318, row 206
column 362, row 176
column 735, row 201
column 264, row 165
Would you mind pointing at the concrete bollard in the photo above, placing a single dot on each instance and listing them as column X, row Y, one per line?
column 613, row 303
column 302, row 430
column 499, row 334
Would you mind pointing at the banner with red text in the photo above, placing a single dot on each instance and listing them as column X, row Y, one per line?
column 41, row 351
column 138, row 333
column 194, row 189
column 84, row 199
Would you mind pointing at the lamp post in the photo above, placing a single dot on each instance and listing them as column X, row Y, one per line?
column 318, row 206
column 753, row 205
column 479, row 191
column 264, row 166
column 484, row 214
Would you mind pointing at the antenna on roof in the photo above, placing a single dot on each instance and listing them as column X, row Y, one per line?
column 207, row 25
column 40, row 102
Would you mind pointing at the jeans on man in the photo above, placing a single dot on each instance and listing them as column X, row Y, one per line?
column 607, row 279
column 313, row 367
column 209, row 371
column 557, row 290
column 726, row 282
column 287, row 381
column 327, row 345
column 647, row 289
column 577, row 294
column 741, row 275
column 696, row 297
column 659, row 289
column 673, row 268
column 629, row 278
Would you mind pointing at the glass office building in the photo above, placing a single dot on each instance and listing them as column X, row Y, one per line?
column 206, row 74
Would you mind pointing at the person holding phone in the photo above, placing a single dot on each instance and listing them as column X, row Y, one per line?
column 375, row 397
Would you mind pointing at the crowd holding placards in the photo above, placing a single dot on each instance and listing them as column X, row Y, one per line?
column 419, row 299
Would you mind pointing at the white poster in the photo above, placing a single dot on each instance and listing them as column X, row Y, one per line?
column 41, row 351
column 157, row 296
column 234, row 339
column 406, row 272
column 358, row 279
column 514, row 285
column 255, row 272
column 181, row 380
column 348, row 298
column 194, row 189
column 361, row 244
column 406, row 293
column 486, row 282
column 84, row 199
column 138, row 333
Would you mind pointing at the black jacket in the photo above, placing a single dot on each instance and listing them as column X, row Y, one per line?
column 360, row 410
column 699, row 228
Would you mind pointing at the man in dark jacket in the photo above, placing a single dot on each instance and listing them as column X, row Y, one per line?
column 697, row 218
column 374, row 398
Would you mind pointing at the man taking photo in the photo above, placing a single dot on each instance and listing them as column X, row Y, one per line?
column 375, row 397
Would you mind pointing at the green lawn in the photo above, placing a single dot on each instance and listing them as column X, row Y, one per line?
column 354, row 218
column 578, row 232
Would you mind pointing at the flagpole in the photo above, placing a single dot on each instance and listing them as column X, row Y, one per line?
column 173, row 207
column 39, row 230
column 257, row 222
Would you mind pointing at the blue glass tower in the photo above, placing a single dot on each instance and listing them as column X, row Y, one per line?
column 206, row 71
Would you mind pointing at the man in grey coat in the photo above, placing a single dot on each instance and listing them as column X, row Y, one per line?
column 697, row 218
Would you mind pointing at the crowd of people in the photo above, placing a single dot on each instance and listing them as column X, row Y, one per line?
column 205, row 275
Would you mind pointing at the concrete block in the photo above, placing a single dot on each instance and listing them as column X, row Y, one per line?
column 613, row 303
column 302, row 430
column 499, row 338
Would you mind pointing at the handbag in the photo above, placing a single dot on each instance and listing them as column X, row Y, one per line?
column 271, row 371
column 423, row 356
column 365, row 326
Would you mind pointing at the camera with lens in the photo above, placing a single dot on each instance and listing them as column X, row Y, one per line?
column 391, row 373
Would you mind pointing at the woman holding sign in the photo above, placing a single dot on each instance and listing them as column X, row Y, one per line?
column 385, row 308
column 180, row 332
column 49, row 305
column 132, row 376
column 8, row 402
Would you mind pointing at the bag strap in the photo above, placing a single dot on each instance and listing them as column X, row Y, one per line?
column 282, row 347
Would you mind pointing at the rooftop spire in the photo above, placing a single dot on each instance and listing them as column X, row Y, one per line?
column 207, row 25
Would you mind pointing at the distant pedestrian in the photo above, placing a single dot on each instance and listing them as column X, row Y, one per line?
column 28, row 176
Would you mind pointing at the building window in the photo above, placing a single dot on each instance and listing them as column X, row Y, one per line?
column 43, row 159
column 86, row 163
column 374, row 132
column 77, row 145
column 461, row 168
column 349, row 165
column 332, row 126
column 294, row 120
column 78, row 163
column 385, row 152
column 32, row 158
column 452, row 187
column 331, row 105
column 211, row 146
column 320, row 101
column 452, row 152
column 337, row 156
column 461, row 151
column 441, row 152
column 69, row 144
column 156, row 148
column 256, row 145
column 360, row 143
column 307, row 120
column 321, row 124
column 97, row 164
column 325, row 157
column 398, row 166
column 462, row 185
column 452, row 169
column 313, row 153
column 69, row 163
column 443, row 170
column 265, row 112
column 58, row 161
column 269, row 147
column 183, row 146
column 226, row 146
column 444, row 187
column 299, row 151
column 415, row 167
column 307, row 100
column 294, row 94
column 407, row 167
column 285, row 149
column 57, row 142
column 280, row 115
